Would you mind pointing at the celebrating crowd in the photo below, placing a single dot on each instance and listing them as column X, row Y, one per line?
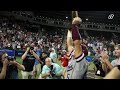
column 43, row 50
column 14, row 35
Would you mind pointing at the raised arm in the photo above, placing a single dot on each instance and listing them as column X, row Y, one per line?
column 4, row 69
column 69, row 35
column 25, row 54
column 77, row 41
column 113, row 74
column 18, row 65
column 36, row 56
column 105, row 58
column 69, row 41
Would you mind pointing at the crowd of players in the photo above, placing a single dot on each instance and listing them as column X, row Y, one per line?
column 43, row 50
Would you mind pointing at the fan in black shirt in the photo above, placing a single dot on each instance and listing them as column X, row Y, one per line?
column 28, row 61
column 44, row 55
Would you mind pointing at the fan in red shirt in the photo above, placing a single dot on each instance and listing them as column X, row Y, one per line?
column 63, row 57
column 64, row 60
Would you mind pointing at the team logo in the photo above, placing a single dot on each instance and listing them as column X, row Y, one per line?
column 111, row 16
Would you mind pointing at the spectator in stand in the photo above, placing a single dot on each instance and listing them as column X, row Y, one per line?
column 63, row 57
column 115, row 62
column 43, row 56
column 37, row 66
column 53, row 55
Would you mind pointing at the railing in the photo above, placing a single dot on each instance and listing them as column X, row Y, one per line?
column 65, row 24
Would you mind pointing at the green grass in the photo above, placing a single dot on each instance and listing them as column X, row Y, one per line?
column 19, row 60
column 19, row 72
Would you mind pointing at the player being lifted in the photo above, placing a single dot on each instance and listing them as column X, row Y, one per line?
column 77, row 65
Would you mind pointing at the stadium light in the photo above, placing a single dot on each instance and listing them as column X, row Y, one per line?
column 86, row 19
column 66, row 17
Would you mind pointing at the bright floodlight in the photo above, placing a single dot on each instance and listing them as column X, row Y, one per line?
column 86, row 19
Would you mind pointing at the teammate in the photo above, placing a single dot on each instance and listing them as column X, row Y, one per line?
column 77, row 65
